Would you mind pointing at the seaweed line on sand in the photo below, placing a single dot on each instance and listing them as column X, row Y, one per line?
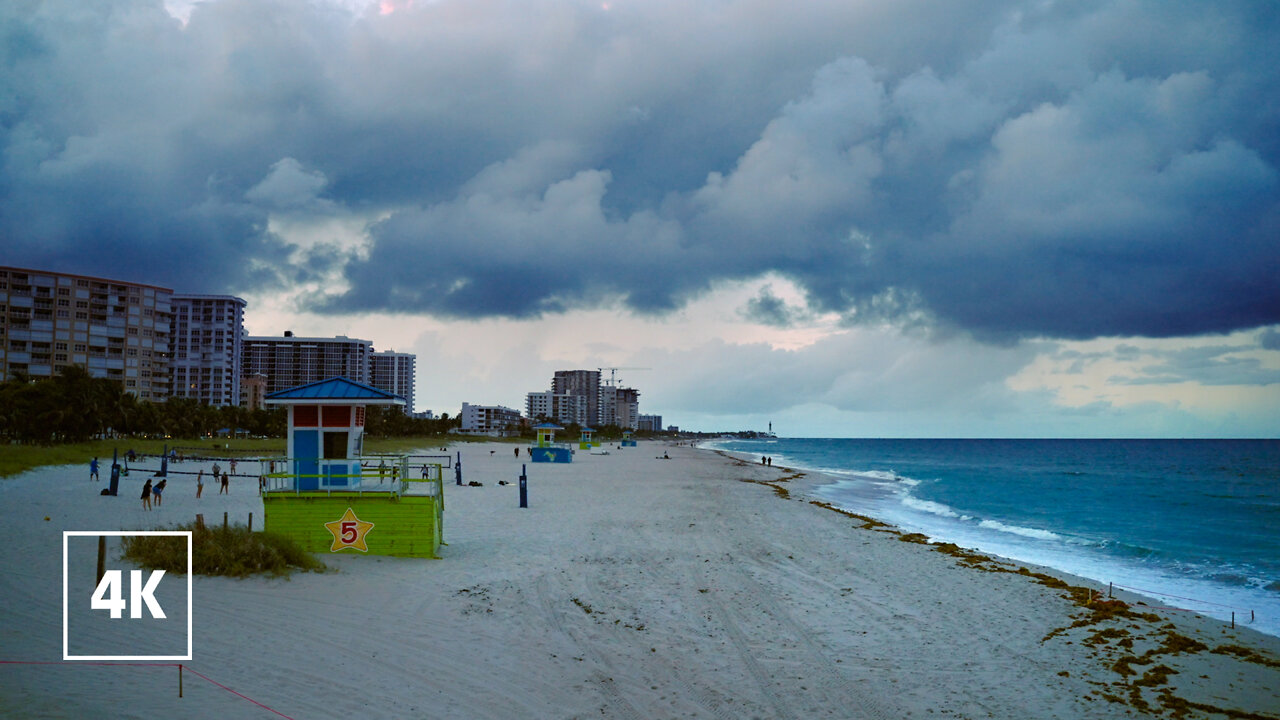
column 1093, row 609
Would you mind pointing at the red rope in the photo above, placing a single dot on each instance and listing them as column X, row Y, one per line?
column 233, row 692
column 177, row 665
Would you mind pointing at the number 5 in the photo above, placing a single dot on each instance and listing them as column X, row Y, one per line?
column 348, row 532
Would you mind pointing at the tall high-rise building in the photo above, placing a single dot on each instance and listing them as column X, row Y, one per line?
column 207, row 346
column 289, row 361
column 586, row 385
column 394, row 372
column 619, row 406
column 652, row 423
column 117, row 330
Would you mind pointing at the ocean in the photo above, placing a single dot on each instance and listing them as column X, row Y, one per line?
column 1193, row 524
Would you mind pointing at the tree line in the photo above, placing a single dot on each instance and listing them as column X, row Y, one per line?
column 73, row 406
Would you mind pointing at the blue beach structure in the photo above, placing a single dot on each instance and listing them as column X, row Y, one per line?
column 326, row 430
column 547, row 450
column 628, row 439
column 585, row 443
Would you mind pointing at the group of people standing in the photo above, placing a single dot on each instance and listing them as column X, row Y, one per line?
column 156, row 491
column 148, row 491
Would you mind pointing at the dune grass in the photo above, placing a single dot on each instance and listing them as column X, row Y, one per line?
column 232, row 551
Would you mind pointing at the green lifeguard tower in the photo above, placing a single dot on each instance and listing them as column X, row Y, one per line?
column 329, row 497
column 628, row 439
column 547, row 449
column 585, row 443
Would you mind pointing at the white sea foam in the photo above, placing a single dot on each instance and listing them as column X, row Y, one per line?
column 1019, row 530
column 930, row 507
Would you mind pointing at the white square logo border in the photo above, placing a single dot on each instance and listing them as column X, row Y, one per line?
column 123, row 533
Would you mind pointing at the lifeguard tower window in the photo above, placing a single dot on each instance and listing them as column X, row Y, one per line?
column 335, row 445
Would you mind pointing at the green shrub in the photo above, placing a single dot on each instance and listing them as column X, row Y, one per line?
column 230, row 551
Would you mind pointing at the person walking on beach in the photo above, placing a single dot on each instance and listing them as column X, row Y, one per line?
column 146, row 495
column 226, row 486
column 517, row 453
column 93, row 469
column 233, row 466
column 158, row 490
column 216, row 470
column 199, row 482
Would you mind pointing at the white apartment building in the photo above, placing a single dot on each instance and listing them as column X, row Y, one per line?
column 206, row 346
column 117, row 330
column 289, row 361
column 488, row 418
column 395, row 373
column 561, row 408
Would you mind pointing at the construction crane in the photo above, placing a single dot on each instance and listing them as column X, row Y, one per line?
column 613, row 374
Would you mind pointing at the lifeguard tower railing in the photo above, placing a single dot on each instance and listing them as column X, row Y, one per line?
column 391, row 475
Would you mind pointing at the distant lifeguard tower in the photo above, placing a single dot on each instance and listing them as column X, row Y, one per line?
column 628, row 439
column 547, row 449
column 585, row 443
column 330, row 497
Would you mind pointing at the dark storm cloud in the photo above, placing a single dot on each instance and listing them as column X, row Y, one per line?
column 1269, row 339
column 1006, row 168
column 769, row 309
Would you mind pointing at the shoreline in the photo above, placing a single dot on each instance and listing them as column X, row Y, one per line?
column 1194, row 595
column 631, row 587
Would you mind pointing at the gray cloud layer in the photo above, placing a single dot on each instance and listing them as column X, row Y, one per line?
column 1007, row 168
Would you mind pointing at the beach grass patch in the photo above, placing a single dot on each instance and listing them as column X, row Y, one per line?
column 230, row 551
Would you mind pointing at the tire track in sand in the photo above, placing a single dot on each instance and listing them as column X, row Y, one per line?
column 555, row 618
column 700, row 695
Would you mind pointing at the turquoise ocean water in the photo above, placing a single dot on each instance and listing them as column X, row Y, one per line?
column 1193, row 523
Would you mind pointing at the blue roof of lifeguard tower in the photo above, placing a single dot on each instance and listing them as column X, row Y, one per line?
column 335, row 388
column 587, row 429
column 547, row 426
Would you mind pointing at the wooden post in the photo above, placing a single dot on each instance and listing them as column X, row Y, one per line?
column 250, row 522
column 1110, row 586
column 179, row 679
column 1233, row 619
column 224, row 520
column 200, row 521
column 102, row 557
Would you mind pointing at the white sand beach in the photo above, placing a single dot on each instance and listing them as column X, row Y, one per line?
column 632, row 587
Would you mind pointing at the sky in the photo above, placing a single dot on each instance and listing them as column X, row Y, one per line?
column 855, row 218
